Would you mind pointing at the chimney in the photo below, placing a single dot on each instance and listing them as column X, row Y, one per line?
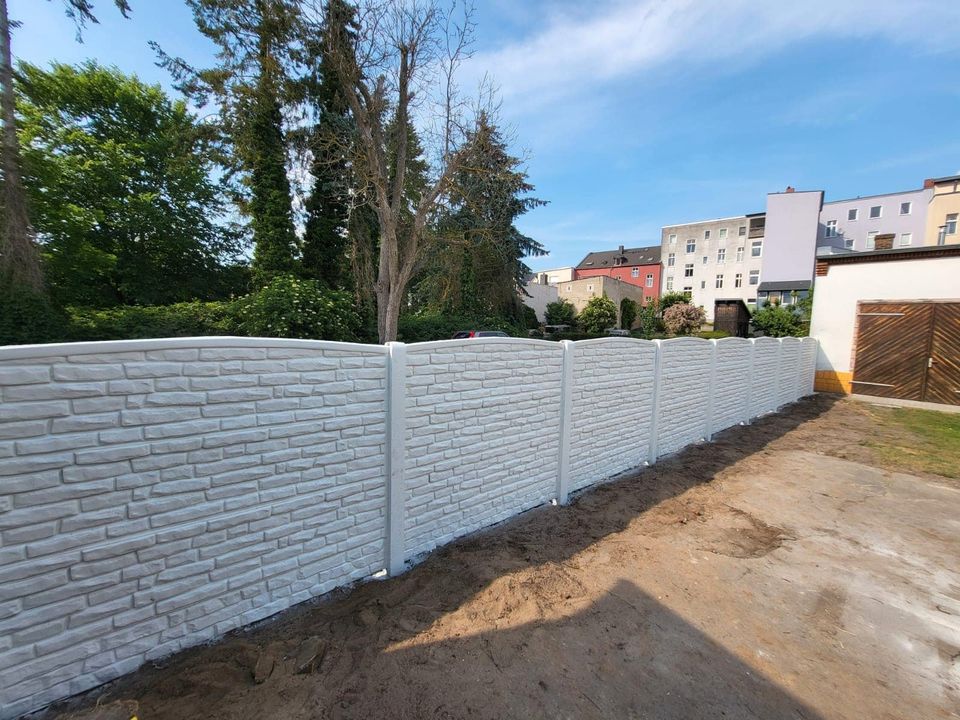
column 928, row 183
column 790, row 188
column 621, row 249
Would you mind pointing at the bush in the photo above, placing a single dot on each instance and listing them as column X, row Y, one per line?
column 599, row 314
column 29, row 317
column 650, row 324
column 674, row 297
column 130, row 322
column 432, row 325
column 561, row 312
column 289, row 307
column 683, row 319
column 780, row 321
column 628, row 313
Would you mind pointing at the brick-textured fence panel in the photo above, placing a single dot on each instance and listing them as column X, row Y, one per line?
column 483, row 433
column 155, row 494
column 612, row 408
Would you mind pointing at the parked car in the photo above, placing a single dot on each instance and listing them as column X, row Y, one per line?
column 618, row 332
column 461, row 334
column 553, row 329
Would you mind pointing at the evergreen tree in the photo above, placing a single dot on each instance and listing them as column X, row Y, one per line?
column 257, row 51
column 326, row 238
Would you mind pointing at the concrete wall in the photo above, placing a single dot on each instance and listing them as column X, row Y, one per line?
column 852, row 234
column 538, row 297
column 834, row 318
column 790, row 242
column 579, row 292
column 155, row 494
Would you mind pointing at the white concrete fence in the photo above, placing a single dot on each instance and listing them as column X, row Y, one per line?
column 155, row 494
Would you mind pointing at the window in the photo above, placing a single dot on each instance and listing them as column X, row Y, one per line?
column 705, row 259
column 872, row 239
column 723, row 234
column 671, row 259
column 738, row 280
column 719, row 283
column 589, row 288
column 740, row 254
column 691, row 245
column 688, row 289
column 649, row 280
column 703, row 284
column 951, row 226
column 831, row 228
column 742, row 231
column 706, row 234
column 848, row 243
column 754, row 277
column 853, row 214
column 756, row 248
column 721, row 256
column 673, row 238
column 670, row 282
column 905, row 208
column 876, row 211
column 635, row 272
column 906, row 239
column 688, row 270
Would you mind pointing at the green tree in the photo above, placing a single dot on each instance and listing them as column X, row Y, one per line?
column 599, row 315
column 775, row 320
column 119, row 182
column 672, row 298
column 628, row 313
column 326, row 239
column 257, row 58
column 561, row 312
column 19, row 255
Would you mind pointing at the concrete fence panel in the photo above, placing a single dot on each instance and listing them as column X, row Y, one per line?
column 766, row 367
column 483, row 434
column 612, row 408
column 808, row 366
column 732, row 381
column 789, row 386
column 684, row 390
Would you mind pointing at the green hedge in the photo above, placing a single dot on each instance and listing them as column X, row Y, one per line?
column 130, row 322
column 422, row 327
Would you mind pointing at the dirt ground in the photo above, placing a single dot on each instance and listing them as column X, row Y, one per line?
column 786, row 570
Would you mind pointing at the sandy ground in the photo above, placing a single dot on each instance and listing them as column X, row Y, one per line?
column 778, row 572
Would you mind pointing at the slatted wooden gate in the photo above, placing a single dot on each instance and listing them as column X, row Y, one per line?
column 908, row 350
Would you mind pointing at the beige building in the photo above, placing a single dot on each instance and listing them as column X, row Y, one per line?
column 579, row 292
column 943, row 211
column 554, row 276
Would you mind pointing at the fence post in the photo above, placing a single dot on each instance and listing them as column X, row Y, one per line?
column 750, row 382
column 776, row 378
column 566, row 418
column 711, row 398
column 396, row 437
column 655, row 416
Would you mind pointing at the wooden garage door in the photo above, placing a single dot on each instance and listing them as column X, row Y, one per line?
column 909, row 351
column 943, row 376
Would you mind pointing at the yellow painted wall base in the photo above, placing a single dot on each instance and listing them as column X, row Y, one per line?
column 832, row 381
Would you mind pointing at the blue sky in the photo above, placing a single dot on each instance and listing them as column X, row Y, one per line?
column 633, row 115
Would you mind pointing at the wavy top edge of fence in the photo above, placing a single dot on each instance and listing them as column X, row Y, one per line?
column 14, row 352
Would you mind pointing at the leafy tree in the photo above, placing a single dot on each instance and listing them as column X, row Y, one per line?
column 119, row 184
column 561, row 312
column 599, row 314
column 775, row 320
column 326, row 237
column 672, row 298
column 257, row 53
column 628, row 313
column 683, row 318
column 19, row 255
column 650, row 322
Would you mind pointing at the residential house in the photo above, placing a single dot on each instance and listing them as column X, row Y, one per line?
column 579, row 292
column 639, row 267
column 943, row 211
column 899, row 218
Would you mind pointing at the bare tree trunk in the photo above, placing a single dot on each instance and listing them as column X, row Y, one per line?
column 19, row 255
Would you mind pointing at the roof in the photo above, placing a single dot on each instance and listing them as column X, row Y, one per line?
column 631, row 256
column 706, row 222
column 924, row 252
column 784, row 285
column 914, row 191
column 948, row 178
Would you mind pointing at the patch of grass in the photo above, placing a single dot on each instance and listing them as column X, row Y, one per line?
column 929, row 441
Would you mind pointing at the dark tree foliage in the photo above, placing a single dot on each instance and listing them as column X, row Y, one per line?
column 478, row 268
column 250, row 86
column 119, row 184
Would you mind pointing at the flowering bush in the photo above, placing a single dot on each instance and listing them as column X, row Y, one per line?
column 293, row 308
column 683, row 319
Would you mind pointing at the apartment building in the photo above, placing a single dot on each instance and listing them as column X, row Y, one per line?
column 943, row 212
column 713, row 260
column 635, row 266
column 897, row 219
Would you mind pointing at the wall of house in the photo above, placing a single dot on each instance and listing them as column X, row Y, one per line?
column 833, row 322
column 790, row 242
column 538, row 297
column 625, row 274
column 703, row 283
column 579, row 292
column 944, row 201
column 156, row 494
column 852, row 234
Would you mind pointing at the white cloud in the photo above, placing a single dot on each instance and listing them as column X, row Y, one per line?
column 578, row 51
